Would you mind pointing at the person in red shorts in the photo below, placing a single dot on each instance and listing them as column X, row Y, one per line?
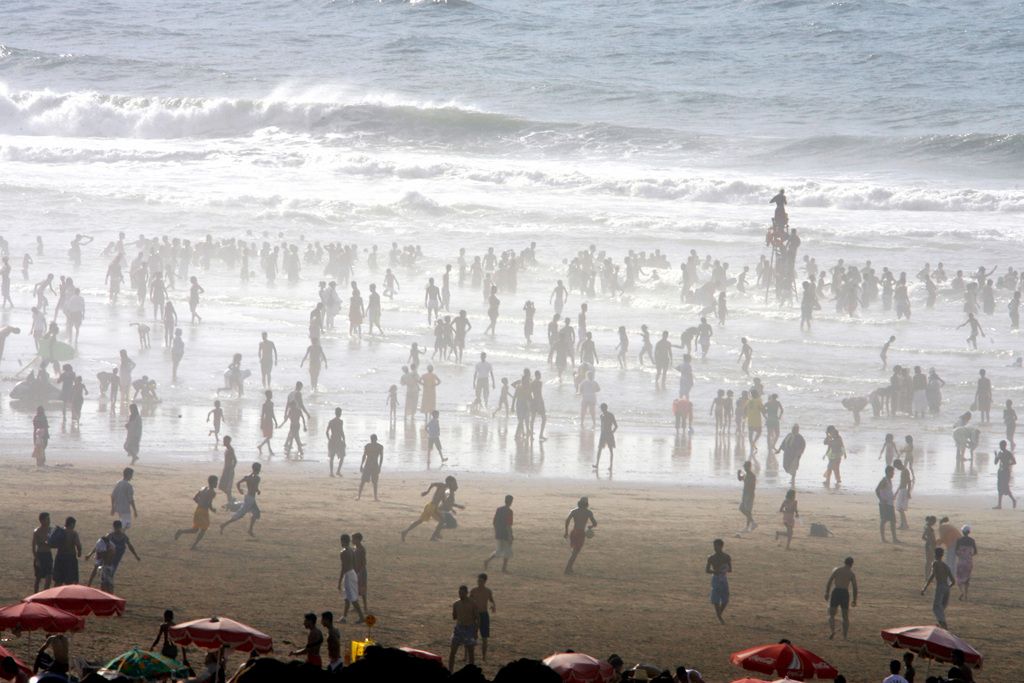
column 314, row 641
column 579, row 517
column 682, row 408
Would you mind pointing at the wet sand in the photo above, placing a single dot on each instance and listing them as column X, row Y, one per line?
column 640, row 588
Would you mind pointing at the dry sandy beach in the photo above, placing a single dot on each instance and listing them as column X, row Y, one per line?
column 640, row 588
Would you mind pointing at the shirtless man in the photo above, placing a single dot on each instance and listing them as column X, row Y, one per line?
column 483, row 597
column 609, row 425
column 59, row 645
column 483, row 382
column 432, row 509
column 579, row 516
column 749, row 479
column 746, row 352
column 975, row 330
column 251, row 484
column 42, row 558
column 314, row 641
column 944, row 581
column 662, row 360
column 336, row 441
column 432, row 300
column 268, row 359
column 201, row 517
column 334, row 659
column 369, row 468
column 5, row 332
column 348, row 579
column 837, row 594
column 297, row 415
column 719, row 565
column 359, row 553
column 884, row 355
column 464, row 614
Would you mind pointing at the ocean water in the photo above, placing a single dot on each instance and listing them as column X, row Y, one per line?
column 894, row 126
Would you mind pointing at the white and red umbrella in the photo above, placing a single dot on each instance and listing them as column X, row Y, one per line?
column 80, row 600
column 931, row 642
column 784, row 659
column 34, row 616
column 576, row 667
column 217, row 632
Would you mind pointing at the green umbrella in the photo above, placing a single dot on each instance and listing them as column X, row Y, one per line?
column 138, row 663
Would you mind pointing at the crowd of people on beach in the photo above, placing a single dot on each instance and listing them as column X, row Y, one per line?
column 753, row 414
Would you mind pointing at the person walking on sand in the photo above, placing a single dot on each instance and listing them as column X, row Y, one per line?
column 466, row 618
column 580, row 516
column 902, row 500
column 931, row 541
column 790, row 513
column 749, row 479
column 201, row 517
column 482, row 598
column 886, row 507
column 122, row 499
column 348, row 580
column 965, row 551
column 503, row 538
column 369, row 468
column 944, row 581
column 227, row 474
column 42, row 558
column 251, row 485
column 719, row 565
column 837, row 594
column 362, row 571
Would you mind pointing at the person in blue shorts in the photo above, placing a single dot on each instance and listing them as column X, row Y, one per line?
column 719, row 565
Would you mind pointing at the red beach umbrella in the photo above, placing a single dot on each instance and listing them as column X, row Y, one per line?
column 423, row 654
column 80, row 600
column 576, row 667
column 783, row 659
column 4, row 652
column 34, row 616
column 931, row 642
column 217, row 632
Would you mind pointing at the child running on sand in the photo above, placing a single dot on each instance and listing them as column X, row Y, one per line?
column 789, row 515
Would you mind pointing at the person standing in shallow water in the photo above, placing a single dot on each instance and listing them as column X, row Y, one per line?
column 1005, row 461
column 749, row 479
column 335, row 442
column 133, row 428
column 268, row 359
column 268, row 421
